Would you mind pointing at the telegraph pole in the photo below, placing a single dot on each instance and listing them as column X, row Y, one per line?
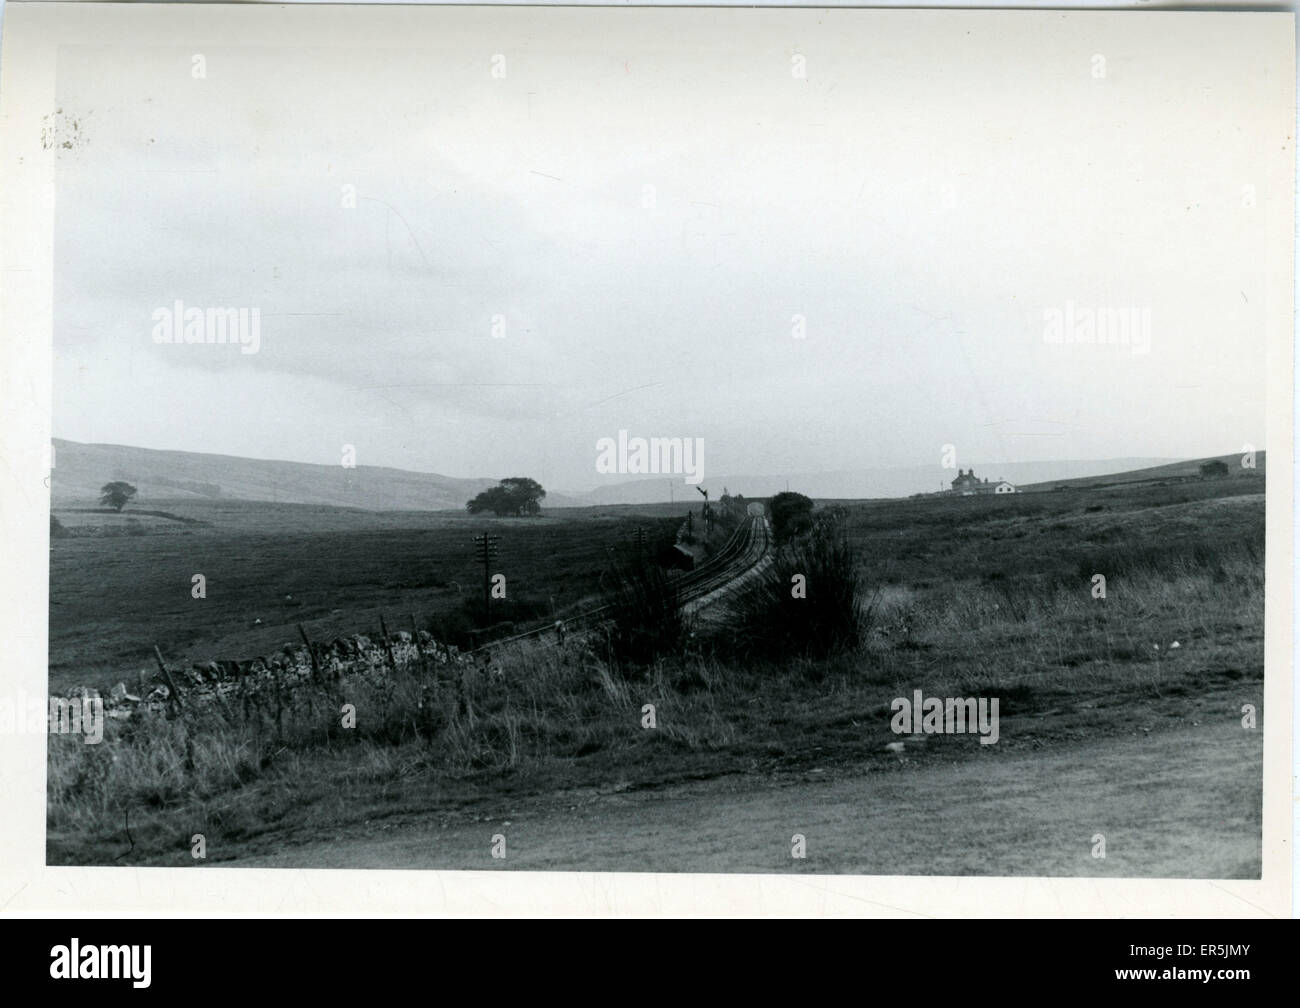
column 486, row 548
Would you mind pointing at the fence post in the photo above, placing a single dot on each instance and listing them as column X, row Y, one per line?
column 279, row 711
column 311, row 653
column 171, row 685
column 466, row 704
column 415, row 636
column 388, row 647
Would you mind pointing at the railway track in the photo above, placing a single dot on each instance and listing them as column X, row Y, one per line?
column 742, row 552
column 746, row 547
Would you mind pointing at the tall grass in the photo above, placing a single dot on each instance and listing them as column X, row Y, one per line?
column 1187, row 554
column 247, row 765
column 645, row 619
column 809, row 603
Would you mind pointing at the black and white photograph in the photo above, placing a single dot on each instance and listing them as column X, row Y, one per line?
column 605, row 440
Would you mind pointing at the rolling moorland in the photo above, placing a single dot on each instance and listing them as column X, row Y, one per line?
column 269, row 567
column 962, row 596
column 81, row 469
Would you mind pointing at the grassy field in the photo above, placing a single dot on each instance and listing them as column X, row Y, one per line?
column 1001, row 591
column 117, row 589
column 964, row 596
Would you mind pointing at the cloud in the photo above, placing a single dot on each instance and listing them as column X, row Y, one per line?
column 535, row 262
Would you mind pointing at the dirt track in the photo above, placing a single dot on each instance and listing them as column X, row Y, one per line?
column 1180, row 803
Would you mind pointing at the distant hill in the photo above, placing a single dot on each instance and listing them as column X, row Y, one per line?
column 1190, row 469
column 81, row 469
column 856, row 484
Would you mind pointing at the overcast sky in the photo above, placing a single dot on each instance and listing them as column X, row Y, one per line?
column 921, row 198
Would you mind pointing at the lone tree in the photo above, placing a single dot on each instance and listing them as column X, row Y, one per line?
column 517, row 496
column 1214, row 469
column 791, row 515
column 116, row 494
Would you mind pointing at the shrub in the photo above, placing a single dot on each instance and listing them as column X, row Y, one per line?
column 768, row 620
column 791, row 515
column 645, row 615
